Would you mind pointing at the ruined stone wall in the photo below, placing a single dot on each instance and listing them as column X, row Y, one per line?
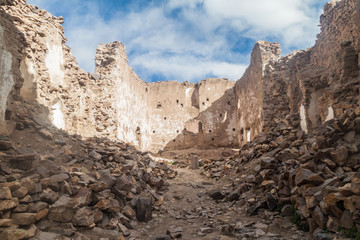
column 171, row 106
column 6, row 76
column 47, row 73
column 159, row 115
column 307, row 87
column 113, row 102
column 304, row 89
column 125, row 95
column 249, row 91
column 12, row 44
column 214, row 124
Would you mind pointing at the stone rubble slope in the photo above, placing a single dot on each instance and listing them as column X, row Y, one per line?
column 53, row 185
column 314, row 178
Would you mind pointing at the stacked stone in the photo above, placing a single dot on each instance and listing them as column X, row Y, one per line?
column 315, row 174
column 103, row 187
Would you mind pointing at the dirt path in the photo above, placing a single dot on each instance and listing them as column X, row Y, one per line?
column 188, row 209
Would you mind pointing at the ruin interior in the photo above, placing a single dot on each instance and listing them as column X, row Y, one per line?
column 109, row 156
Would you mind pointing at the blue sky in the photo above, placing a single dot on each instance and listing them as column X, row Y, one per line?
column 185, row 40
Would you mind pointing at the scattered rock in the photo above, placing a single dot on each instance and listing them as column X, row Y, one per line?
column 174, row 232
column 143, row 209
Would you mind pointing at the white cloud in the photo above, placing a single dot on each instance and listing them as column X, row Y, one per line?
column 195, row 43
column 191, row 69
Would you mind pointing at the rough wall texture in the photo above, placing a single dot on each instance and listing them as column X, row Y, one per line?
column 305, row 88
column 249, row 90
column 113, row 102
column 11, row 50
column 213, row 124
column 159, row 115
column 308, row 87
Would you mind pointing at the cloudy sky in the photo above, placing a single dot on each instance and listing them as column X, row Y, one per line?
column 185, row 40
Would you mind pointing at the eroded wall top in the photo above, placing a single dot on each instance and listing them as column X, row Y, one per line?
column 308, row 87
column 113, row 102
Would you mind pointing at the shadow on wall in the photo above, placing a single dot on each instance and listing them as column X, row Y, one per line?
column 216, row 126
column 12, row 46
column 19, row 108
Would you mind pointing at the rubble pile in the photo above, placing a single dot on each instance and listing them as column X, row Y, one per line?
column 313, row 178
column 97, row 186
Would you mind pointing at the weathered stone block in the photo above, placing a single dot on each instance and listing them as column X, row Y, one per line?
column 23, row 218
column 143, row 209
column 61, row 210
column 8, row 204
column 83, row 217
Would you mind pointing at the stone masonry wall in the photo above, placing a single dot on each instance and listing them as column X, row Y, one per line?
column 214, row 123
column 113, row 102
column 307, row 87
column 304, row 89
column 159, row 115
column 249, row 90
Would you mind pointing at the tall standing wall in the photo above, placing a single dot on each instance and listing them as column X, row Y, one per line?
column 304, row 89
column 308, row 87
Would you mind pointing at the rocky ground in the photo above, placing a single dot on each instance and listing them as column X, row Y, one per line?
column 282, row 185
column 56, row 186
column 191, row 212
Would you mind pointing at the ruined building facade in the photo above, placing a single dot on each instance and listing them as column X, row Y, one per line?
column 304, row 88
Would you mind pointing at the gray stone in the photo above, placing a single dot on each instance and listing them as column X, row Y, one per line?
column 143, row 209
column 340, row 155
column 61, row 210
column 83, row 217
column 5, row 193
column 23, row 218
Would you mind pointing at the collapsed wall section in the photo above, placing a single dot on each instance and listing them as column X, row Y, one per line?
column 308, row 87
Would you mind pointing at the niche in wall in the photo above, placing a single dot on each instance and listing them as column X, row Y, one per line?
column 7, row 114
column 138, row 131
column 200, row 129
